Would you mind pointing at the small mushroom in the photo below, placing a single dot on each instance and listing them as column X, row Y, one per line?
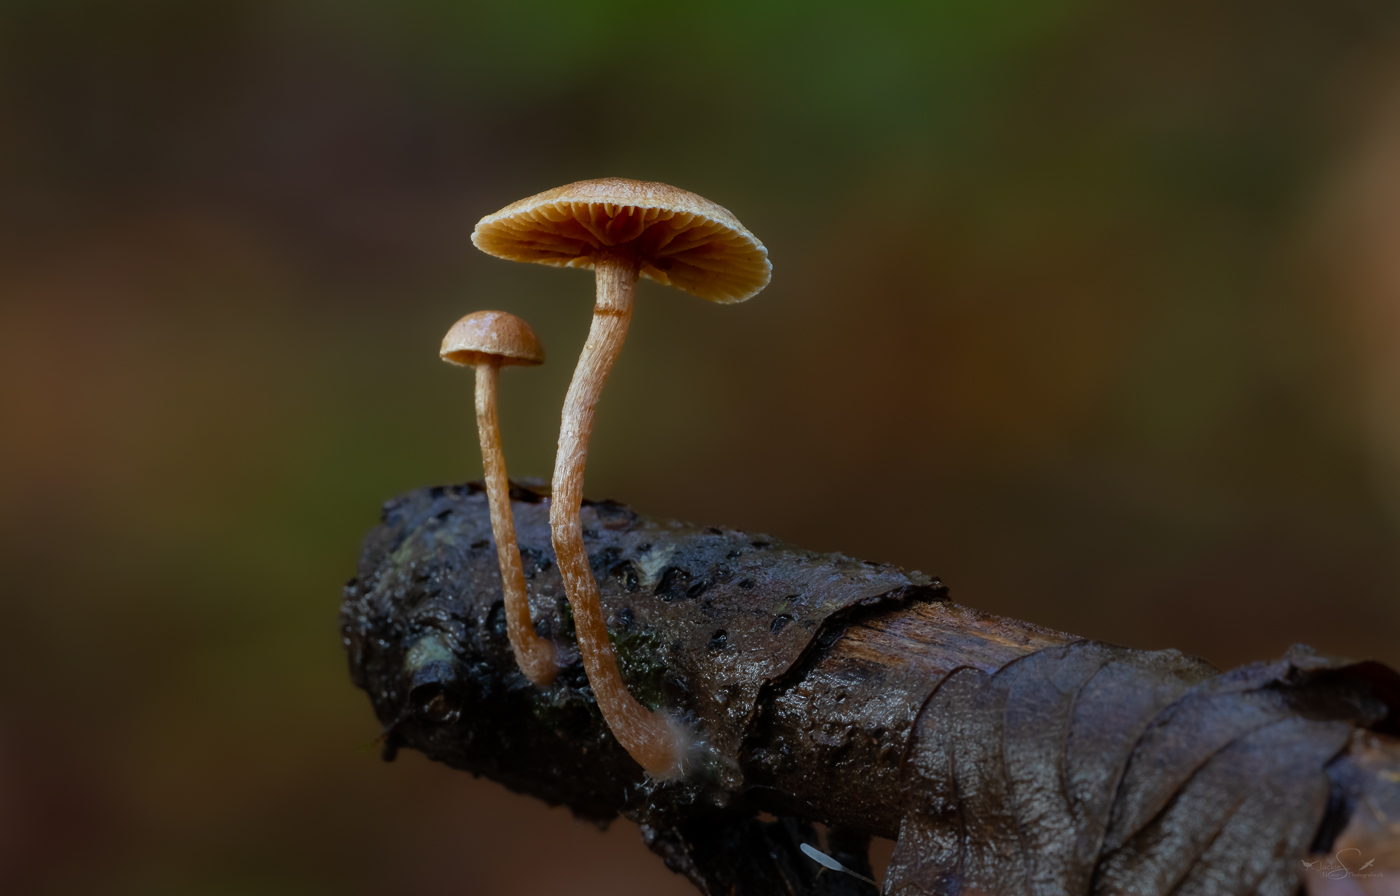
column 488, row 341
column 622, row 229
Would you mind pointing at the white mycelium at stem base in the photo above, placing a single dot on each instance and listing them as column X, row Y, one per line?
column 652, row 738
column 622, row 229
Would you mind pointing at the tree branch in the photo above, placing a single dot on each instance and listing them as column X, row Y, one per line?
column 1004, row 756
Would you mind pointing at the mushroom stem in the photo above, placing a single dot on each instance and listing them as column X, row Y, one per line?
column 534, row 655
column 650, row 737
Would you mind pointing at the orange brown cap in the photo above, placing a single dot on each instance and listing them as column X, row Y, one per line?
column 683, row 240
column 491, row 335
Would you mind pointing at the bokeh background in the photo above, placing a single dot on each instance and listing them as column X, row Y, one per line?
column 1090, row 308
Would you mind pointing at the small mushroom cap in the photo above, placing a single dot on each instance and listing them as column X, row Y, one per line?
column 686, row 241
column 487, row 335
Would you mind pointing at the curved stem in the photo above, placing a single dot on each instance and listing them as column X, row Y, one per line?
column 533, row 654
column 647, row 736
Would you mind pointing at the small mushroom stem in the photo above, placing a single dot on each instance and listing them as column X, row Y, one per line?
column 534, row 655
column 650, row 737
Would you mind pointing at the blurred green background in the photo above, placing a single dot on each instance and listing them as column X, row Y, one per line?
column 1090, row 308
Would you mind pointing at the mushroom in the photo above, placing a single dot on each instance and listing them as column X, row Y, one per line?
column 621, row 229
column 488, row 341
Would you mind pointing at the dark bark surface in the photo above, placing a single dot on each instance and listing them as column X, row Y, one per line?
column 1006, row 757
column 1097, row 769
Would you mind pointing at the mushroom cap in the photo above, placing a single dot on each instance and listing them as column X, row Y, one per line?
column 684, row 240
column 492, row 335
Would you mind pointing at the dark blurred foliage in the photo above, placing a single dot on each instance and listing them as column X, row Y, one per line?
column 1090, row 308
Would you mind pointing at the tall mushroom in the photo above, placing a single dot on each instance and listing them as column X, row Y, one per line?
column 488, row 341
column 621, row 229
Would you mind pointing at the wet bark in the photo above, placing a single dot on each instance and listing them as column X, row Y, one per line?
column 1005, row 757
